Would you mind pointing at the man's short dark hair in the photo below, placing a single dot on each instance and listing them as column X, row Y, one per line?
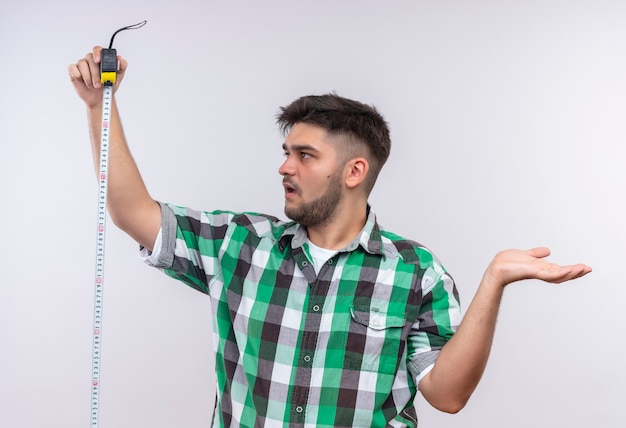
column 359, row 123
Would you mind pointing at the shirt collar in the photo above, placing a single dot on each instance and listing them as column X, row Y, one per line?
column 369, row 238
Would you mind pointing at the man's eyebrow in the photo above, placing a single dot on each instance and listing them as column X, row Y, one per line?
column 299, row 147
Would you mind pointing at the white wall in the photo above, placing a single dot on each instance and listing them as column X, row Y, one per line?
column 508, row 122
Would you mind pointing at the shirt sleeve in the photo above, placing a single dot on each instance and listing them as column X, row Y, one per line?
column 190, row 245
column 438, row 319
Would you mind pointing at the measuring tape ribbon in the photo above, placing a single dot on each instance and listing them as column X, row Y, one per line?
column 108, row 77
column 107, row 99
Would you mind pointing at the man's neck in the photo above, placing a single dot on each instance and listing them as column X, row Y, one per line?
column 342, row 230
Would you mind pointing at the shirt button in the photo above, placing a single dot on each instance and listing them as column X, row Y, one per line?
column 376, row 321
column 304, row 263
column 307, row 358
column 316, row 308
column 299, row 409
column 330, row 261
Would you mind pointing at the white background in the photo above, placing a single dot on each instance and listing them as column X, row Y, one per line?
column 508, row 124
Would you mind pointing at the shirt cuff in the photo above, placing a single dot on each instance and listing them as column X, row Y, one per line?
column 162, row 256
column 424, row 372
column 422, row 364
column 152, row 257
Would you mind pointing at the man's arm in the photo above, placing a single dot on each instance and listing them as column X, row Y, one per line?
column 130, row 205
column 461, row 363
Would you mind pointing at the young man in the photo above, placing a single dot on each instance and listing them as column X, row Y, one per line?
column 326, row 320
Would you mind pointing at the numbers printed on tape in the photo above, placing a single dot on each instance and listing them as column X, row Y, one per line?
column 108, row 75
column 99, row 277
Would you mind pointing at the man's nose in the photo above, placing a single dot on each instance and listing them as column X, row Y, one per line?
column 287, row 167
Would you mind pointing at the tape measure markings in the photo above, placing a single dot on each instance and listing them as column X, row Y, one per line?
column 108, row 76
column 96, row 353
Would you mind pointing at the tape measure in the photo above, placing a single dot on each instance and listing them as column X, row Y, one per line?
column 108, row 77
column 96, row 351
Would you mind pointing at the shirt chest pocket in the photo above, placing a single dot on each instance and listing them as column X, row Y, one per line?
column 377, row 339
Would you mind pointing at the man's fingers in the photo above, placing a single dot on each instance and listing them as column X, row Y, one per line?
column 84, row 72
column 72, row 70
column 579, row 270
column 96, row 53
column 560, row 274
column 539, row 252
column 94, row 69
column 122, row 64
column 553, row 272
column 515, row 265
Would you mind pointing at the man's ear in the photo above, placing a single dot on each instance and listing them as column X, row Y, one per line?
column 356, row 171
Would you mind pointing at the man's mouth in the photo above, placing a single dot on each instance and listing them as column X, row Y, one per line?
column 290, row 187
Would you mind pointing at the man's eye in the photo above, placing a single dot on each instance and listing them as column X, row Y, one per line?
column 305, row 155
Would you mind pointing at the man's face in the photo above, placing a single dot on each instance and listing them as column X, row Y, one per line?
column 311, row 175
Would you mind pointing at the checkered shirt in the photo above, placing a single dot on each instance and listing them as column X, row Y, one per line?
column 342, row 348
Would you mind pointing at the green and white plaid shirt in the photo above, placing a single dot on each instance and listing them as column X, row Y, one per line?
column 342, row 348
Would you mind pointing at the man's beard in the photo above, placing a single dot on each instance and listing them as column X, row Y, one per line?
column 319, row 211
